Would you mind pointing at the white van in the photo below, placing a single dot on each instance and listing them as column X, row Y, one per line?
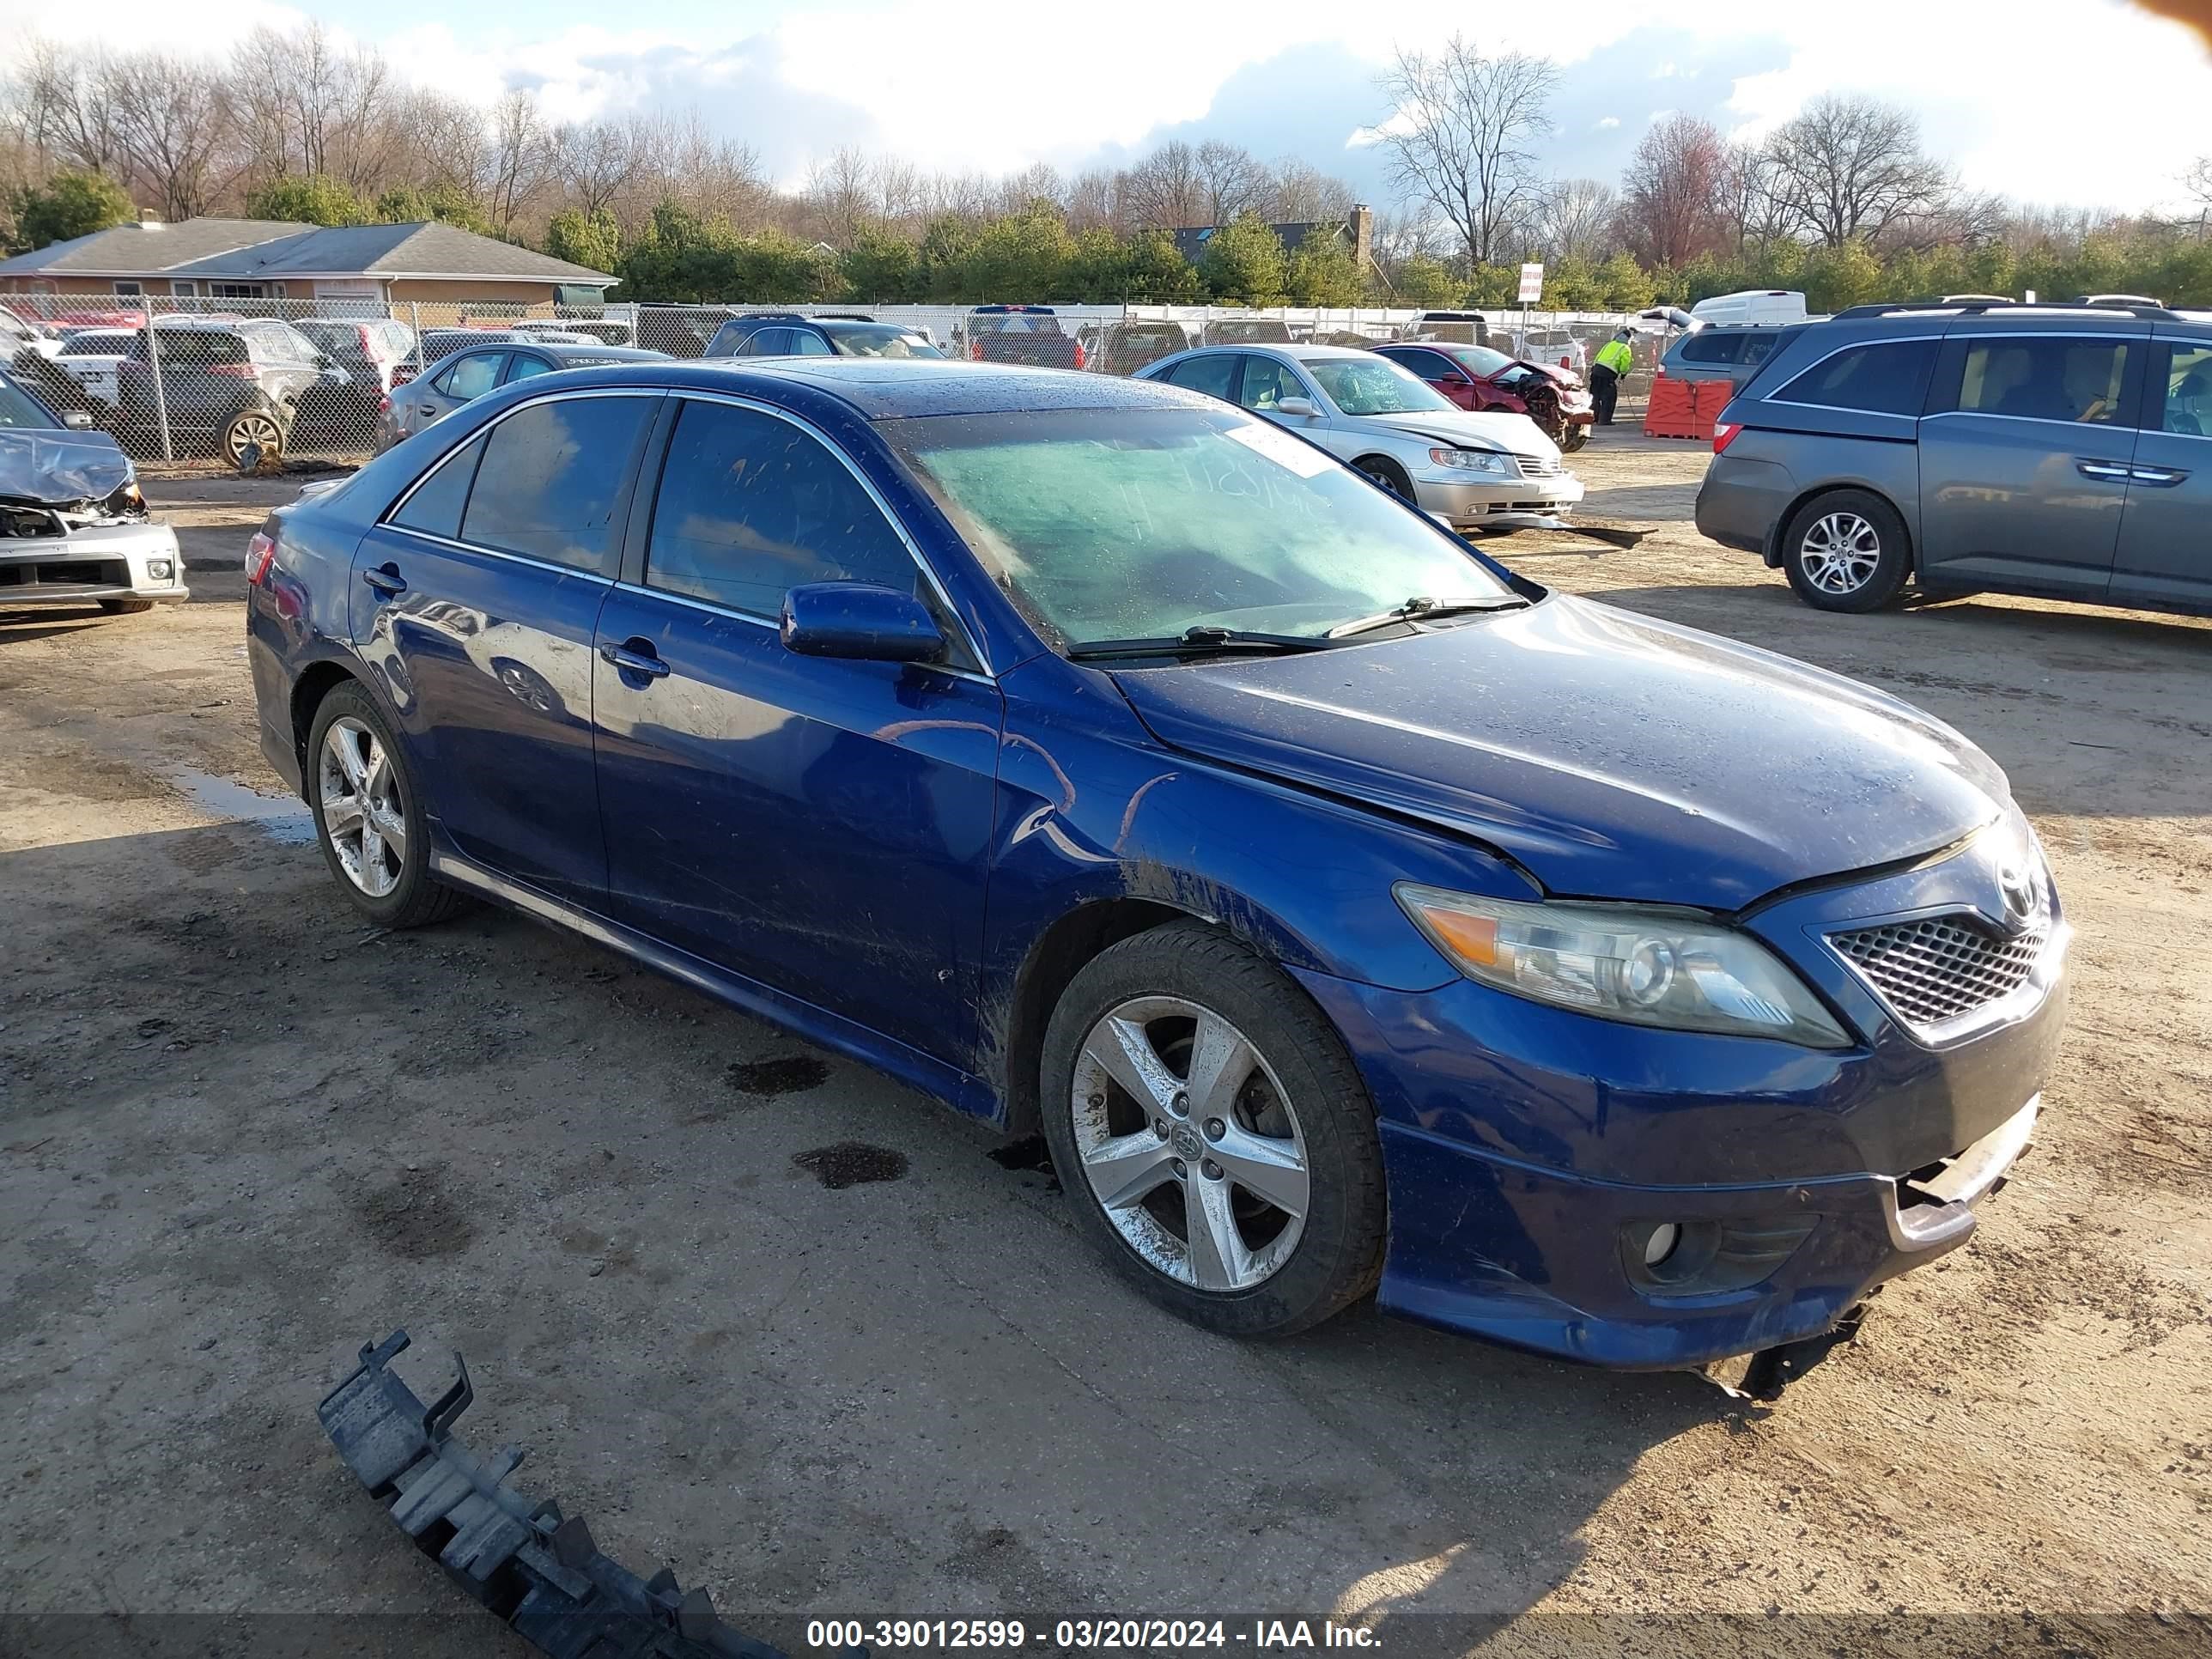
column 1763, row 304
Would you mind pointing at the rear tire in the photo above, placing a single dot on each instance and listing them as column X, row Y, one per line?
column 126, row 607
column 1244, row 1158
column 1576, row 438
column 366, row 800
column 1388, row 473
column 1846, row 550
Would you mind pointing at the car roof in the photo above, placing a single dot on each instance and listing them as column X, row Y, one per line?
column 897, row 388
column 597, row 353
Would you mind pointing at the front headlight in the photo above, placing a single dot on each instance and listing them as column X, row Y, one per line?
column 1648, row 967
column 1470, row 460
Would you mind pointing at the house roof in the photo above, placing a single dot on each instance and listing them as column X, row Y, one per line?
column 1191, row 240
column 258, row 250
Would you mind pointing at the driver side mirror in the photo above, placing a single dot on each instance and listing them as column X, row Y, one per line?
column 860, row 622
column 1298, row 407
column 77, row 419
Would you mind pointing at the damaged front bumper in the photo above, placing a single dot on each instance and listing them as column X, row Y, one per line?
column 121, row 559
column 541, row 1573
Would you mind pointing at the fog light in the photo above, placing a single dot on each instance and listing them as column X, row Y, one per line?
column 1660, row 1243
column 160, row 569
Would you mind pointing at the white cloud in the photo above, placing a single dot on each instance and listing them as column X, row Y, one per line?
column 1608, row 123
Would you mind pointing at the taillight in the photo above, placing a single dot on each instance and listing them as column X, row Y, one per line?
column 384, row 402
column 1080, row 358
column 975, row 350
column 260, row 554
column 1724, row 434
column 231, row 371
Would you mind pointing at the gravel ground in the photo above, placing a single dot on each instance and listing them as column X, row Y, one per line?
column 240, row 1134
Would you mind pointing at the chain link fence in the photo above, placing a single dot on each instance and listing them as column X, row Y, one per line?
column 226, row 382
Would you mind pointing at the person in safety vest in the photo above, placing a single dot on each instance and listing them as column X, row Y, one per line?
column 1607, row 370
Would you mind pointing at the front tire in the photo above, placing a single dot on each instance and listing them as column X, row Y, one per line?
column 369, row 814
column 126, row 607
column 257, row 428
column 1388, row 473
column 1575, row 438
column 1216, row 1140
column 1847, row 552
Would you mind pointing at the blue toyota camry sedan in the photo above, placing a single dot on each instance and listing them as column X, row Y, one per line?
column 1350, row 914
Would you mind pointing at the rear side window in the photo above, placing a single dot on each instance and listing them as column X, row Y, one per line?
column 2189, row 392
column 807, row 344
column 551, row 480
column 473, row 376
column 521, row 366
column 1886, row 379
column 1711, row 346
column 1212, row 375
column 435, row 506
column 2050, row 378
column 750, row 506
column 728, row 340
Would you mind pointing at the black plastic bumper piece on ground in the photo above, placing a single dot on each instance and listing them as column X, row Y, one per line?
column 540, row 1573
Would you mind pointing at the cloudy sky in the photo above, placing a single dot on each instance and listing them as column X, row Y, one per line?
column 2090, row 102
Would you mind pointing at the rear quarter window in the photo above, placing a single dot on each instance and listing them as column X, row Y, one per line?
column 1885, row 378
column 1711, row 346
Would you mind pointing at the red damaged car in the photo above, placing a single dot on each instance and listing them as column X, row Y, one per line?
column 1481, row 377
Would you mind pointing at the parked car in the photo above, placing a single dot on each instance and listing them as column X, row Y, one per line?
column 73, row 526
column 2064, row 452
column 467, row 374
column 1348, row 913
column 607, row 331
column 1726, row 351
column 1459, row 327
column 1126, row 346
column 374, row 353
column 89, row 356
column 441, row 342
column 231, row 385
column 1558, row 347
column 786, row 334
column 1753, row 305
column 1022, row 334
column 1246, row 331
column 19, row 334
column 1489, row 471
column 1482, row 377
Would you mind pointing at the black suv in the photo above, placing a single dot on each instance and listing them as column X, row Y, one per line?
column 2060, row 451
column 832, row 334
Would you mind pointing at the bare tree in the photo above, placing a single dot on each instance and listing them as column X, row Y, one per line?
column 901, row 193
column 1458, row 137
column 1037, row 182
column 1232, row 180
column 595, row 162
column 173, row 118
column 1673, row 191
column 2197, row 181
column 1166, row 191
column 1097, row 199
column 63, row 114
column 841, row 191
column 1849, row 167
column 521, row 158
column 1751, row 209
column 1304, row 195
column 1575, row 219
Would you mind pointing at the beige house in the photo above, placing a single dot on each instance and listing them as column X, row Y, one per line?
column 373, row 266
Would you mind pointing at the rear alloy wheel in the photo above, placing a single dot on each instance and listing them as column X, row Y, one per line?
column 253, row 428
column 1846, row 552
column 1216, row 1139
column 1388, row 474
column 369, row 815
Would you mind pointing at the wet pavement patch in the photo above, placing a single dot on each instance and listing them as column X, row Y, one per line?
column 1030, row 1152
column 769, row 1078
column 851, row 1163
column 281, row 818
column 411, row 1219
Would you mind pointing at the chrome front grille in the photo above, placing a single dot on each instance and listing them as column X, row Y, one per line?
column 1940, row 967
column 1540, row 466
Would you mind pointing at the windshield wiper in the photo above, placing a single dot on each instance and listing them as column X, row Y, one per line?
column 1421, row 609
column 1198, row 641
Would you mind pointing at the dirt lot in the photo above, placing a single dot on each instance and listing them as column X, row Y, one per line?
column 239, row 1134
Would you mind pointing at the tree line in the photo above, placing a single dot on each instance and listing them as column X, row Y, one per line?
column 1842, row 201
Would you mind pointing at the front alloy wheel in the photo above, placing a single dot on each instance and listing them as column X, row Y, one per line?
column 1189, row 1143
column 1839, row 553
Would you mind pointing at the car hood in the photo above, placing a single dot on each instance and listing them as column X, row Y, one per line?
column 58, row 467
column 1472, row 429
column 1612, row 756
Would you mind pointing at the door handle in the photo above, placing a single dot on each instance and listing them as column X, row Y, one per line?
column 633, row 657
column 2112, row 470
column 385, row 580
column 2161, row 475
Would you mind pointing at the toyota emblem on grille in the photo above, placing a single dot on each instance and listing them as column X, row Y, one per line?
column 2018, row 887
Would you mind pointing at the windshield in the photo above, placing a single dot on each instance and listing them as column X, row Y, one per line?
column 17, row 410
column 1013, row 322
column 1141, row 524
column 1480, row 360
column 1375, row 385
column 879, row 340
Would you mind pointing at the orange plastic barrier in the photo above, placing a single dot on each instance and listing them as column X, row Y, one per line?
column 1672, row 411
column 1709, row 398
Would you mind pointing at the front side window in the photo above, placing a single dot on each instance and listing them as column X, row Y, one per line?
column 1375, row 385
column 767, row 342
column 1888, row 378
column 2050, row 379
column 750, row 507
column 1266, row 383
column 551, row 480
column 474, row 375
column 807, row 344
column 2189, row 392
column 1127, row 524
column 880, row 340
column 18, row 410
